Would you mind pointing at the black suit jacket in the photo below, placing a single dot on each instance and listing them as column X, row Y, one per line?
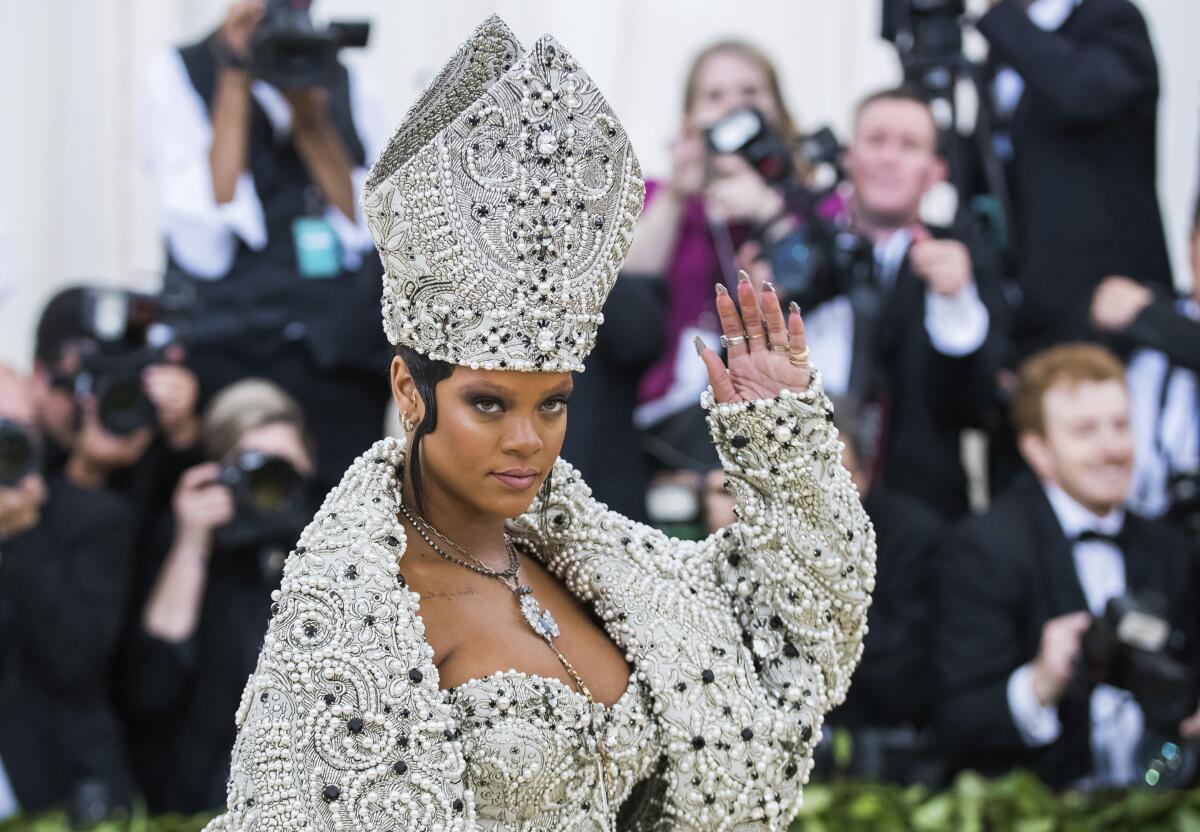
column 930, row 397
column 893, row 684
column 1000, row 577
column 1083, row 173
column 66, row 582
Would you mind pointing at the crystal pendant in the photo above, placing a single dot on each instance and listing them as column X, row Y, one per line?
column 540, row 620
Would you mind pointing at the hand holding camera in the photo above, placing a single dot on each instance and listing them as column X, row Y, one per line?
column 202, row 504
column 1054, row 667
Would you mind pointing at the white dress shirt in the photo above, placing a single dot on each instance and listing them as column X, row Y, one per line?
column 1117, row 721
column 176, row 137
column 1165, row 415
column 957, row 324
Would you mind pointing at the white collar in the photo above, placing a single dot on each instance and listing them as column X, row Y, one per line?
column 1049, row 15
column 1075, row 519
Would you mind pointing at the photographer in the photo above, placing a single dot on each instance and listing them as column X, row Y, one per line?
column 64, row 563
column 258, row 142
column 1078, row 89
column 906, row 334
column 1026, row 595
column 198, row 633
column 693, row 224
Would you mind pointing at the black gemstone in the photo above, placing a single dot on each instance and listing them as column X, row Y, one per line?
column 681, row 687
column 403, row 741
column 776, row 622
column 734, row 559
column 740, row 441
column 457, row 804
column 391, row 540
column 806, row 733
column 330, row 699
column 710, row 799
column 697, row 742
column 355, row 725
column 747, row 734
column 331, row 792
column 708, row 677
column 790, row 650
column 263, row 698
column 274, row 609
column 400, row 767
column 790, row 771
column 415, row 675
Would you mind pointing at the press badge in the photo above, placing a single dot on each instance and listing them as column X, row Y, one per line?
column 317, row 250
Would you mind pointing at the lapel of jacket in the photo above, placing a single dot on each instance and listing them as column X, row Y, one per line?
column 1054, row 555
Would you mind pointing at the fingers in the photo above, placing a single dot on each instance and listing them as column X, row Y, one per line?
column 796, row 340
column 718, row 376
column 752, row 315
column 777, row 328
column 199, row 475
column 731, row 324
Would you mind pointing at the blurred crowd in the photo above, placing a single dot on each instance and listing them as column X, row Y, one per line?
column 1015, row 382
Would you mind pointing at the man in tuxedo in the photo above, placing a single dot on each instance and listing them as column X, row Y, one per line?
column 918, row 348
column 1018, row 587
column 1076, row 95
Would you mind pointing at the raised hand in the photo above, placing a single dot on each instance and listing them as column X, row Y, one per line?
column 766, row 352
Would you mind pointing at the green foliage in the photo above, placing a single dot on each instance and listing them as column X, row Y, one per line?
column 1016, row 803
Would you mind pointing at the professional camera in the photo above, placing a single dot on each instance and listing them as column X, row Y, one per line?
column 125, row 334
column 262, row 484
column 289, row 52
column 928, row 37
column 745, row 131
column 20, row 452
column 1129, row 647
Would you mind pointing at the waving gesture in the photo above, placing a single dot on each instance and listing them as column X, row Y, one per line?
column 766, row 351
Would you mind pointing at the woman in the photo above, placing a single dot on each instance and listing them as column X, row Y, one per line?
column 199, row 630
column 464, row 639
column 708, row 210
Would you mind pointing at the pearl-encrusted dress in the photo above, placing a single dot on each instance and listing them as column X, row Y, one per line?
column 739, row 645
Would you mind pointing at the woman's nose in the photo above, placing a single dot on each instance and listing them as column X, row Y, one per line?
column 522, row 437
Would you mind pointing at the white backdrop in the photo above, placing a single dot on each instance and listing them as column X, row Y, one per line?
column 74, row 203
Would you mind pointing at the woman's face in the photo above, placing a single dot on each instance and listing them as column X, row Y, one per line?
column 727, row 81
column 277, row 439
column 498, row 434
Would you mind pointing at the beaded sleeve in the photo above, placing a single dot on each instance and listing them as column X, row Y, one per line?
column 747, row 638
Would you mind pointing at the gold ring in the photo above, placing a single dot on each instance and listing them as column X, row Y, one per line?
column 759, row 335
column 800, row 358
column 732, row 341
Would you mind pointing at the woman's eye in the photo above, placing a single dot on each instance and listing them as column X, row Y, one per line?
column 487, row 405
column 555, row 405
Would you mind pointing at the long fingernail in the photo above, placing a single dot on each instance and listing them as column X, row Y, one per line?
column 699, row 342
column 743, row 276
column 769, row 286
column 721, row 290
column 795, row 307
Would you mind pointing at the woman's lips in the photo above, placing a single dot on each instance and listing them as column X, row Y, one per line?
column 518, row 479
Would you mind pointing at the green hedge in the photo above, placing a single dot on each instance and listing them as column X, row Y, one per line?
column 1017, row 803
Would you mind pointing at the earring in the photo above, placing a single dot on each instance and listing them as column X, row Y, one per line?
column 408, row 424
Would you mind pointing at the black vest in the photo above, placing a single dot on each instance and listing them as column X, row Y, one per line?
column 263, row 296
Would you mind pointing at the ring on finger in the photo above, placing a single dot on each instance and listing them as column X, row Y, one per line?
column 732, row 341
column 799, row 358
column 780, row 348
column 759, row 335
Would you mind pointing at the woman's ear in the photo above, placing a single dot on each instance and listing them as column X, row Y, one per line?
column 404, row 390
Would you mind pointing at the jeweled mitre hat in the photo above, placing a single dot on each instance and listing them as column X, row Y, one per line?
column 502, row 209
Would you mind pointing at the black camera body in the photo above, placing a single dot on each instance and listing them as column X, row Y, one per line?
column 289, row 52
column 126, row 334
column 746, row 133
column 1130, row 647
column 929, row 39
column 20, row 452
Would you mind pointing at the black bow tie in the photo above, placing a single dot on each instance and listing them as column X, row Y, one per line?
column 1089, row 535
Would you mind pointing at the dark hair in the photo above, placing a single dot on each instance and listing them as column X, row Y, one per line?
column 426, row 374
column 60, row 323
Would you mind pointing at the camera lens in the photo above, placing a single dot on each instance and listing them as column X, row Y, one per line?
column 123, row 405
column 272, row 486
